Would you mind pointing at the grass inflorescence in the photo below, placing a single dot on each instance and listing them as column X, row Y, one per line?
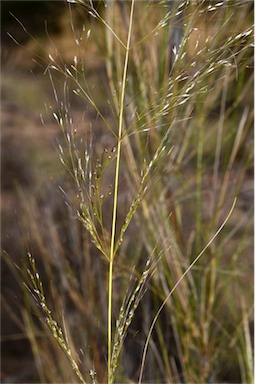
column 164, row 189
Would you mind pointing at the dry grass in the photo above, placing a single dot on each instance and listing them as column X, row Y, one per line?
column 171, row 143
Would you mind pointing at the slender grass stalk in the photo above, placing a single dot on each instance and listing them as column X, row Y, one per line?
column 116, row 187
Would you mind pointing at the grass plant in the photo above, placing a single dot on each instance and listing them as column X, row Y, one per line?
column 161, row 196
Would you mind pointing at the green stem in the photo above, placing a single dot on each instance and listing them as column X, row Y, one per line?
column 115, row 199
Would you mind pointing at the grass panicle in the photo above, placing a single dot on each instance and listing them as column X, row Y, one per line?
column 36, row 290
column 151, row 168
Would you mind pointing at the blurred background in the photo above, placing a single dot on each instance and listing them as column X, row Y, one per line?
column 29, row 158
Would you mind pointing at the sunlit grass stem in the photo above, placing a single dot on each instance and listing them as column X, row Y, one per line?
column 115, row 198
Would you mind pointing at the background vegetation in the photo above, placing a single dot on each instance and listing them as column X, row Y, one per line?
column 186, row 153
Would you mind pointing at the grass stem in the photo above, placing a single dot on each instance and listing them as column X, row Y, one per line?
column 115, row 199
